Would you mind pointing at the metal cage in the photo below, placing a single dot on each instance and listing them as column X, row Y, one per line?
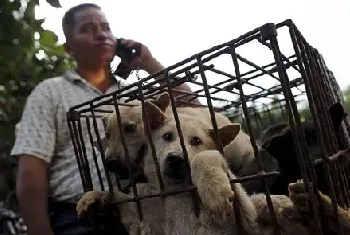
column 226, row 80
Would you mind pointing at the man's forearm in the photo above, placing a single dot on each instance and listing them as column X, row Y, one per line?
column 32, row 193
column 156, row 66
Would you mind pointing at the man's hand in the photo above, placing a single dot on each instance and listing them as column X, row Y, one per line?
column 145, row 60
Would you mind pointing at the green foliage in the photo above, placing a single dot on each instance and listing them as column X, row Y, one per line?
column 29, row 54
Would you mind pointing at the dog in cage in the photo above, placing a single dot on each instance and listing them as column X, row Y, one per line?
column 277, row 140
column 208, row 172
column 239, row 153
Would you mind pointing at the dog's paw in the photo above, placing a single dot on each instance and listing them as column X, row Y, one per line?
column 91, row 201
column 299, row 196
column 210, row 175
column 216, row 196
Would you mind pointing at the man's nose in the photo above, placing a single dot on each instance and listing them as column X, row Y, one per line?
column 101, row 34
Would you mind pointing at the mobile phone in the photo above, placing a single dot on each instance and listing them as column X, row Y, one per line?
column 127, row 54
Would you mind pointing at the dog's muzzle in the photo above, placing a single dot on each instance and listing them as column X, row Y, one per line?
column 117, row 166
column 120, row 167
column 174, row 166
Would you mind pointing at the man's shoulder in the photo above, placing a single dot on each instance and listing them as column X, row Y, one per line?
column 52, row 83
column 59, row 79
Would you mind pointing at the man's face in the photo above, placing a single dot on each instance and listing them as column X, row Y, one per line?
column 92, row 42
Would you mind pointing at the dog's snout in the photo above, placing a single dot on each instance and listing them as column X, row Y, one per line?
column 175, row 160
column 112, row 165
column 175, row 166
column 116, row 166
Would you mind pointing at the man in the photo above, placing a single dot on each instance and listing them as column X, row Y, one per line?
column 47, row 164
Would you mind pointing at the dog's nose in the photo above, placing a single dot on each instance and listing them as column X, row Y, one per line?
column 113, row 165
column 175, row 161
column 116, row 166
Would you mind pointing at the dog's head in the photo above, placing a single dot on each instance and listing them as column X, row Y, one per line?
column 280, row 145
column 198, row 135
column 133, row 129
column 278, row 140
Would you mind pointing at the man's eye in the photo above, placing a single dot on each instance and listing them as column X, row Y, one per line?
column 168, row 136
column 129, row 128
column 106, row 27
column 196, row 141
column 88, row 28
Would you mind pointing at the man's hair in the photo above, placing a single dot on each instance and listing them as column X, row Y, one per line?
column 68, row 20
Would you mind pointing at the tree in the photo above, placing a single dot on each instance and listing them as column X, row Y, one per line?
column 29, row 54
column 22, row 39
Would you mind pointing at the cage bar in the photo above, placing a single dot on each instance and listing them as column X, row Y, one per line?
column 296, row 77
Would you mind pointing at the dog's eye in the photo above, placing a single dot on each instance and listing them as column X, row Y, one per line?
column 168, row 136
column 129, row 128
column 196, row 141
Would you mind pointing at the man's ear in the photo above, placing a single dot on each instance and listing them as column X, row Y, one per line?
column 154, row 114
column 162, row 101
column 227, row 133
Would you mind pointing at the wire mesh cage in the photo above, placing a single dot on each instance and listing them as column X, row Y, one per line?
column 256, row 80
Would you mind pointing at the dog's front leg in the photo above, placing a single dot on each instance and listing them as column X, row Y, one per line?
column 97, row 201
column 300, row 198
column 209, row 174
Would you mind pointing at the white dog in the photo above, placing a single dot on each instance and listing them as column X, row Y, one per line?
column 209, row 172
column 238, row 153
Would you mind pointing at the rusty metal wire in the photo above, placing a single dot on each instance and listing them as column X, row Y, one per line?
column 243, row 90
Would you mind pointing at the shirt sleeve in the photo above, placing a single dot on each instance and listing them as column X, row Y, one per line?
column 36, row 135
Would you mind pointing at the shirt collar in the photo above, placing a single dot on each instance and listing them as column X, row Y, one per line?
column 73, row 76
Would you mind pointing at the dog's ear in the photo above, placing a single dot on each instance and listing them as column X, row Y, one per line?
column 280, row 142
column 337, row 114
column 104, row 144
column 227, row 133
column 154, row 114
column 104, row 140
column 163, row 101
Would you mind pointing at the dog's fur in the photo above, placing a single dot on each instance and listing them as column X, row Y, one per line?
column 300, row 198
column 131, row 124
column 280, row 145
